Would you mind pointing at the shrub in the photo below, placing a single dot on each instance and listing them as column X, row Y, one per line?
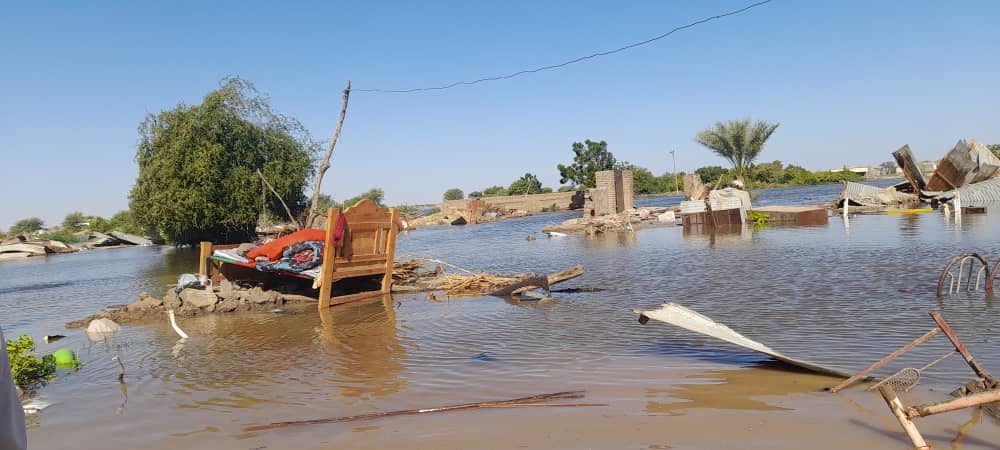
column 26, row 368
column 61, row 236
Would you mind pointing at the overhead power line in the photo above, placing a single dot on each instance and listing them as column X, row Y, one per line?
column 572, row 61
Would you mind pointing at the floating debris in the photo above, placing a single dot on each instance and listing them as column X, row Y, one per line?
column 680, row 316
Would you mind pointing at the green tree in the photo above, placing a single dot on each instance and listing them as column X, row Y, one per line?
column 567, row 188
column 454, row 194
column 26, row 226
column 711, row 174
column 797, row 175
column 122, row 221
column 476, row 194
column 73, row 220
column 494, row 191
column 738, row 141
column 772, row 172
column 995, row 148
column 589, row 157
column 528, row 184
column 198, row 166
column 325, row 203
column 644, row 182
column 374, row 194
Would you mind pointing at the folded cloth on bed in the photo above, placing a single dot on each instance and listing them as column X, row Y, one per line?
column 296, row 258
column 230, row 254
column 273, row 250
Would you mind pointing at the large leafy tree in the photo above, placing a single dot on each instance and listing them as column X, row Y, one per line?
column 738, row 141
column 454, row 194
column 73, row 220
column 198, row 166
column 711, row 174
column 589, row 157
column 26, row 226
column 528, row 184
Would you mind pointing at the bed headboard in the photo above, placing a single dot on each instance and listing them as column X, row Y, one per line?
column 368, row 229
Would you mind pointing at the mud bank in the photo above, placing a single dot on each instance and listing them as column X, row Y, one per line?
column 192, row 302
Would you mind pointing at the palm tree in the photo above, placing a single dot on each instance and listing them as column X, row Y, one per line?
column 738, row 141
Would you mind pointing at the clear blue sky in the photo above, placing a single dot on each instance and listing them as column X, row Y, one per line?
column 850, row 81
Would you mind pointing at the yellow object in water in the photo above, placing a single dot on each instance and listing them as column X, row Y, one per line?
column 911, row 211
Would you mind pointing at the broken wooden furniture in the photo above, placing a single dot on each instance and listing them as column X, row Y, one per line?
column 367, row 248
column 981, row 392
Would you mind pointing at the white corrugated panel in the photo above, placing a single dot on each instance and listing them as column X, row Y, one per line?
column 692, row 206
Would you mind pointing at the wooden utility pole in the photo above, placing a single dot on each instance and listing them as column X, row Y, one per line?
column 321, row 170
column 674, row 157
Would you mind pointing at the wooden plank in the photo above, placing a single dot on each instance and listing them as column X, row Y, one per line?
column 206, row 253
column 969, row 401
column 896, row 406
column 361, row 271
column 911, row 168
column 369, row 227
column 341, row 299
column 390, row 250
column 329, row 259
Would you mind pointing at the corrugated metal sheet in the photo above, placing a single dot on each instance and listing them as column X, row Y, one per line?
column 983, row 155
column 975, row 194
column 866, row 195
column 857, row 191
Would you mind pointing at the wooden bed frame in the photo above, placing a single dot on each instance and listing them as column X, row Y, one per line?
column 367, row 248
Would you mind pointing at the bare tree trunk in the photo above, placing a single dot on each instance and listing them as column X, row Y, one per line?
column 321, row 170
column 287, row 211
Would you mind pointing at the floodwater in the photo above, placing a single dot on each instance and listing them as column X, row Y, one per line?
column 841, row 297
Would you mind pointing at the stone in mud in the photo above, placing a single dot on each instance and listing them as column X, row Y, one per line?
column 259, row 296
column 102, row 326
column 172, row 301
column 198, row 298
column 226, row 290
column 228, row 304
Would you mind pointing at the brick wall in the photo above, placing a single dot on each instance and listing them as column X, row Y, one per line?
column 532, row 203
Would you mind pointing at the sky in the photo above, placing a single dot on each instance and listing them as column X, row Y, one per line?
column 849, row 81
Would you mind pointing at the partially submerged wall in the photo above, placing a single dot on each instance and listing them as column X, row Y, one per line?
column 532, row 203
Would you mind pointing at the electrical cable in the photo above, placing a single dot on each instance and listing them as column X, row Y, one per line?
column 572, row 61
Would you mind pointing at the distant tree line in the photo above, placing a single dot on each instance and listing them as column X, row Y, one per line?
column 75, row 222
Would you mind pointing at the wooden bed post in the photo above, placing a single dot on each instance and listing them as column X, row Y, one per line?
column 206, row 253
column 390, row 250
column 329, row 258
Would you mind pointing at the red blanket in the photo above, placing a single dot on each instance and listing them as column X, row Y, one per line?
column 272, row 250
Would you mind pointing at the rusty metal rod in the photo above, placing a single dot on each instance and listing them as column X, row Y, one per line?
column 968, row 401
column 864, row 373
column 960, row 348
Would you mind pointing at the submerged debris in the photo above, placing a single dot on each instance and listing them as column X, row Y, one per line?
column 534, row 400
column 680, row 316
column 969, row 174
column 416, row 275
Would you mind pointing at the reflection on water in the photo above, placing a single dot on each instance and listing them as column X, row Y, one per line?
column 364, row 344
column 610, row 240
column 737, row 389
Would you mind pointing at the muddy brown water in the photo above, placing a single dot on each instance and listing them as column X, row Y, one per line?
column 825, row 294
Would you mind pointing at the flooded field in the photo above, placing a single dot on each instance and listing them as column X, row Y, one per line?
column 839, row 297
